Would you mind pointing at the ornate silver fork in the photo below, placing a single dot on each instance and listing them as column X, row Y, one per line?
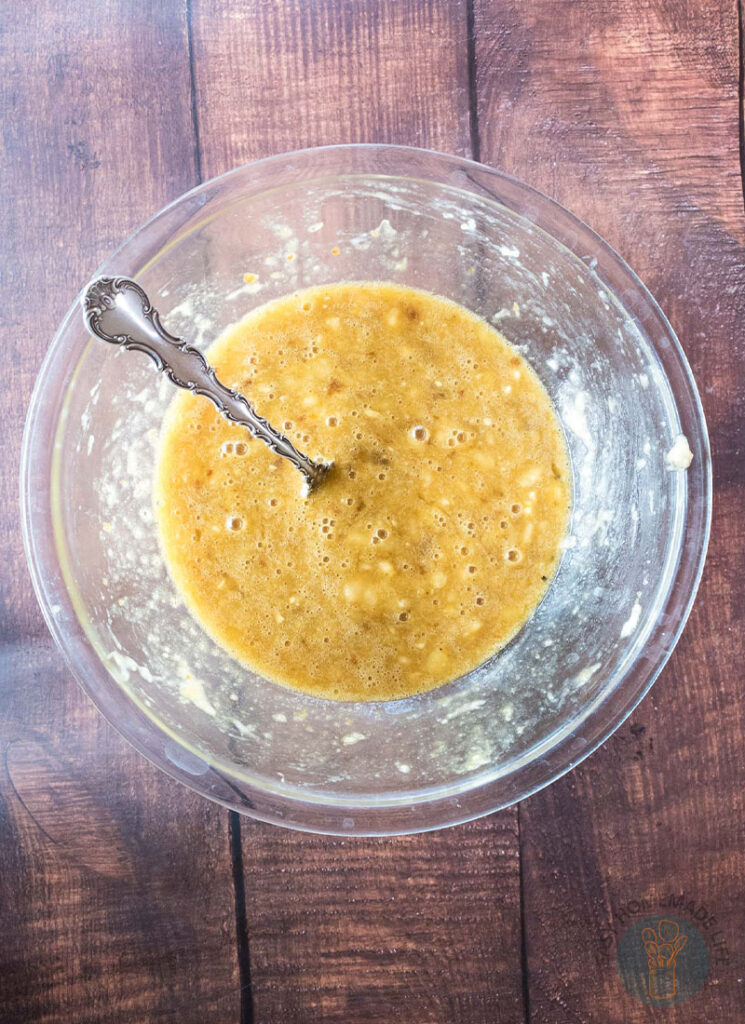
column 117, row 310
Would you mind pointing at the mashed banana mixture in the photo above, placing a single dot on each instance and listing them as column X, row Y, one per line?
column 438, row 530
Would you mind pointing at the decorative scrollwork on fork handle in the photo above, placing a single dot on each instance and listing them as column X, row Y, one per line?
column 117, row 310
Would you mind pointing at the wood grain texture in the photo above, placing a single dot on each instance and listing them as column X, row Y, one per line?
column 626, row 113
column 277, row 75
column 104, row 910
column 424, row 928
column 115, row 885
column 418, row 928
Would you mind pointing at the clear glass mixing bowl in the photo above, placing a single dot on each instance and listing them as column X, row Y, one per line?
column 624, row 392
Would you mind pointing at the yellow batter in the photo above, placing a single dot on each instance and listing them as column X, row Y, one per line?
column 438, row 530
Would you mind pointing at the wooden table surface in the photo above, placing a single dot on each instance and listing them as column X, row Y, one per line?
column 123, row 896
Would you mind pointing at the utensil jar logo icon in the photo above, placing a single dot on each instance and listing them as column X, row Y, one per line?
column 663, row 961
column 662, row 947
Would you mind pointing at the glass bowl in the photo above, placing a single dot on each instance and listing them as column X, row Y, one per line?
column 628, row 576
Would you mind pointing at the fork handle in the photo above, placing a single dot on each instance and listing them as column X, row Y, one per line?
column 117, row 310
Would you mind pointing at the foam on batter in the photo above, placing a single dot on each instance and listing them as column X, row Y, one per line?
column 436, row 533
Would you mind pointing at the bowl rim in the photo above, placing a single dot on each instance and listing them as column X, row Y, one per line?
column 433, row 808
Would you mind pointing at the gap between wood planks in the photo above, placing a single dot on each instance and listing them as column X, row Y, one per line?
column 475, row 143
column 241, row 918
column 741, row 94
column 243, row 953
column 193, row 87
column 473, row 98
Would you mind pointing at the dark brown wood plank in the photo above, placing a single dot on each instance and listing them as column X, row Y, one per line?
column 417, row 928
column 116, row 897
column 422, row 928
column 277, row 75
column 627, row 113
